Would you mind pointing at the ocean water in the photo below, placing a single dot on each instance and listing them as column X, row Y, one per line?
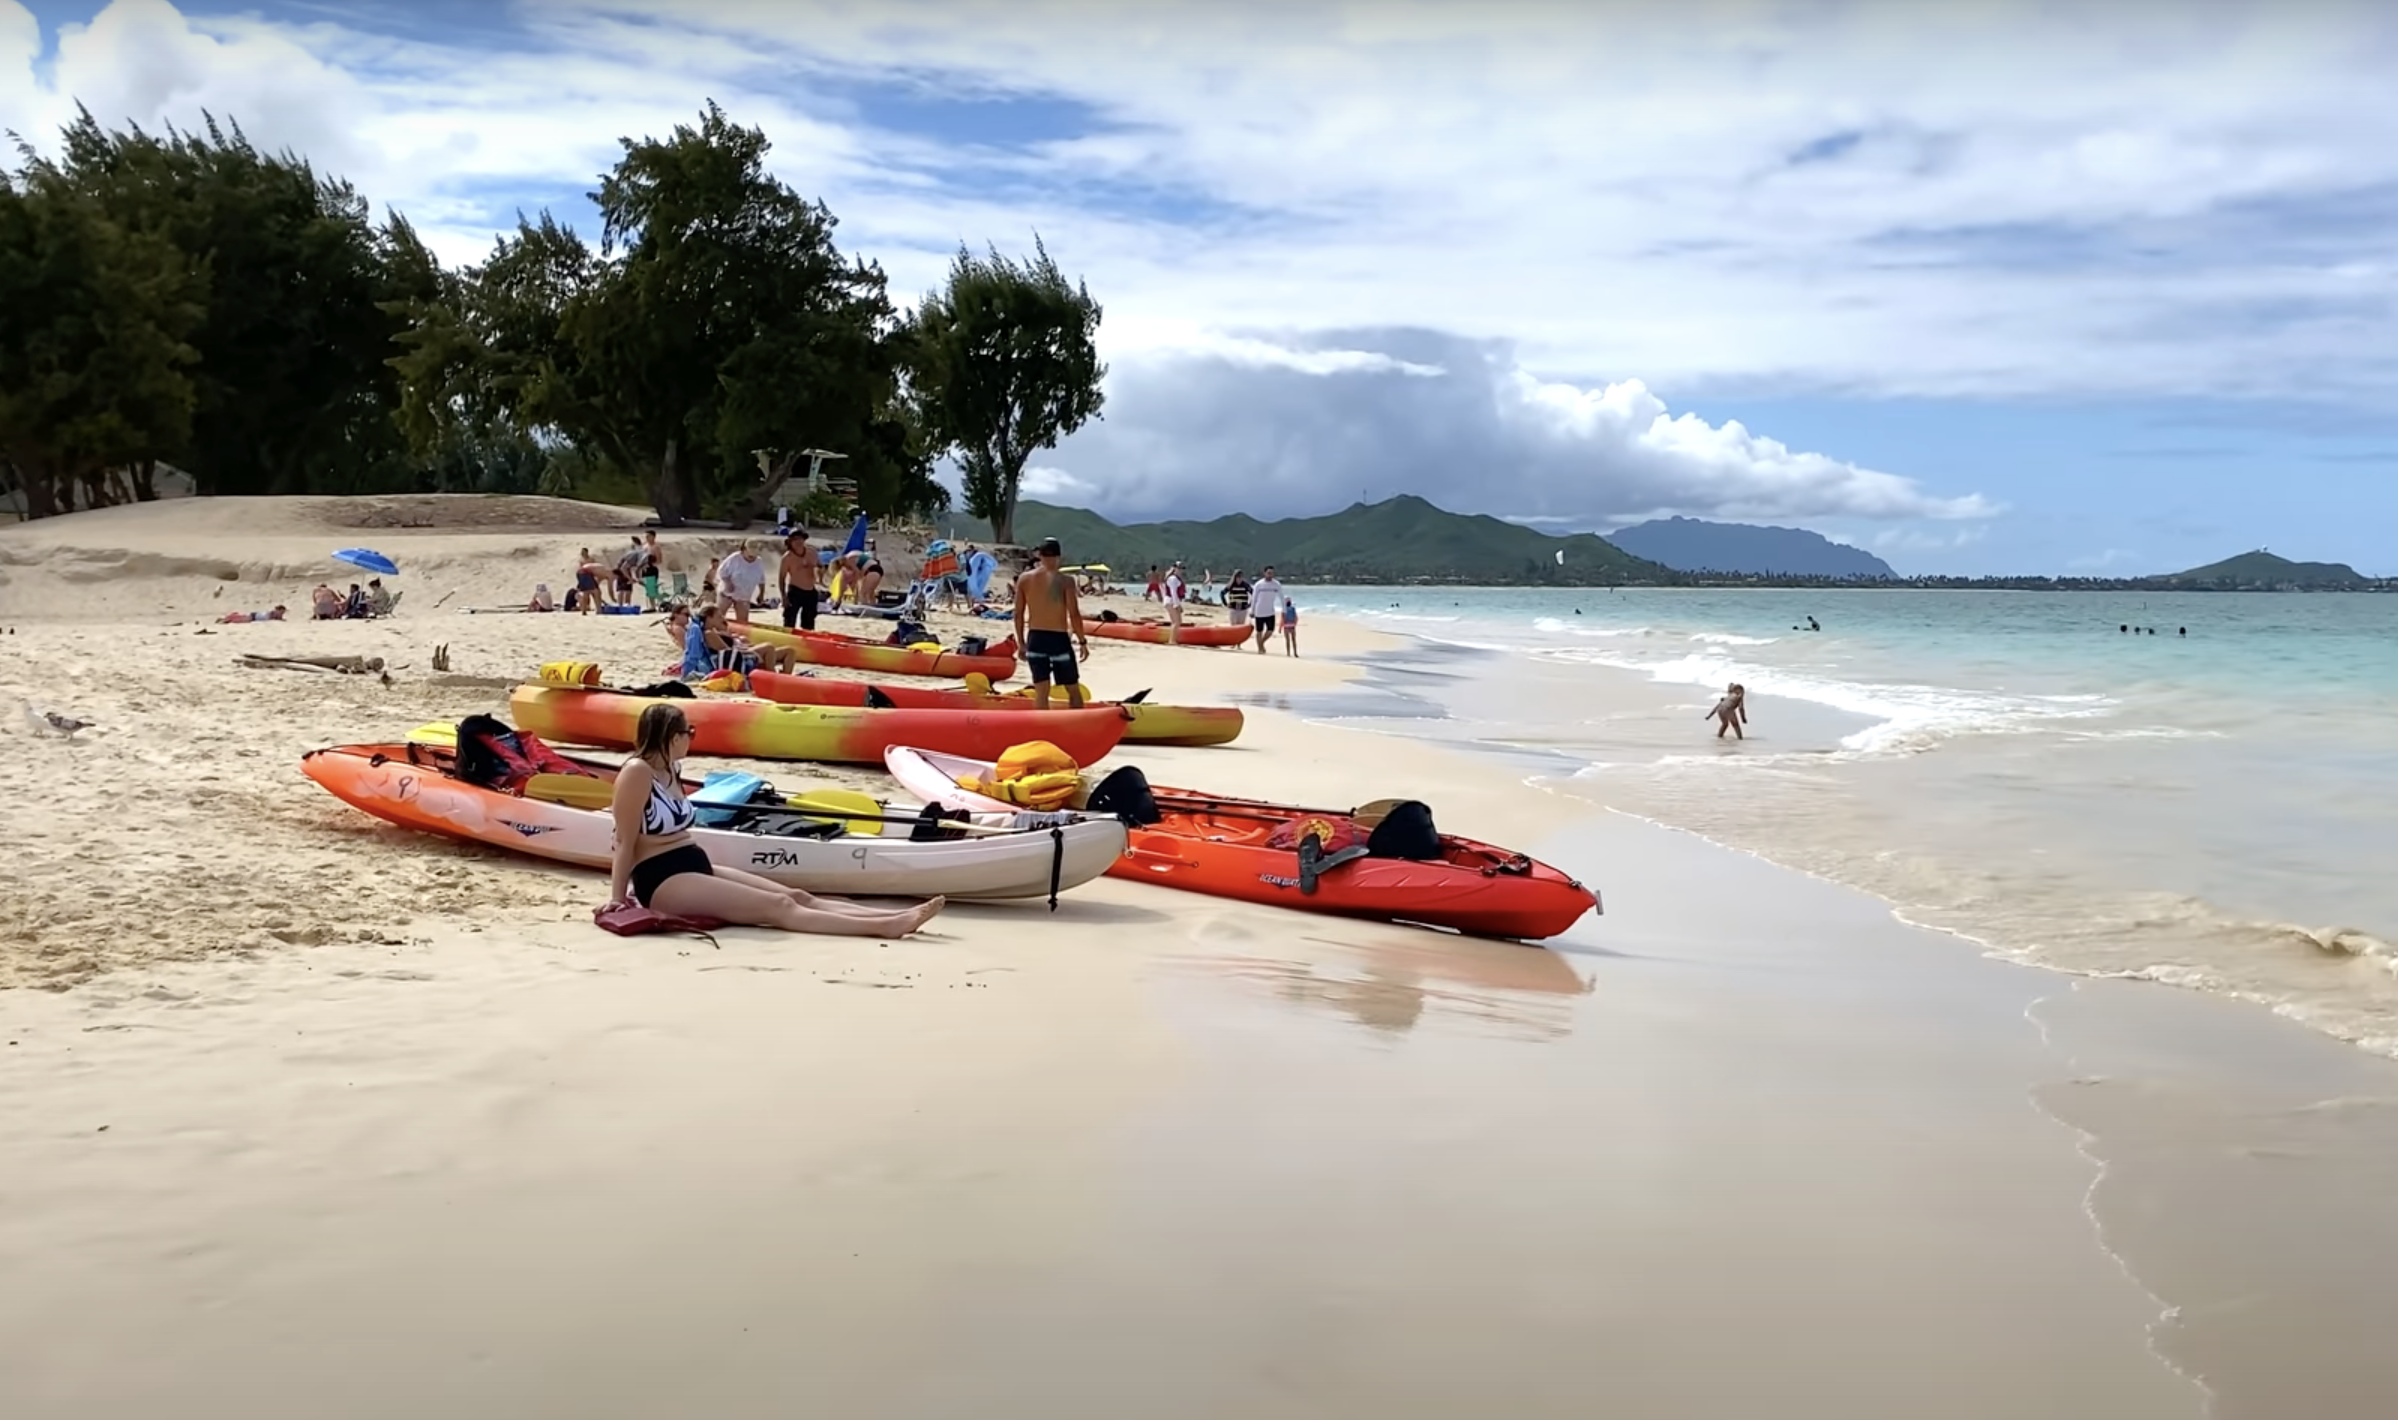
column 2217, row 809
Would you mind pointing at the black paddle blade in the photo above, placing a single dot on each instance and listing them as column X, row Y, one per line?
column 1135, row 698
column 877, row 700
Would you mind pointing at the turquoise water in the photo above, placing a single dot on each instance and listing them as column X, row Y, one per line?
column 2213, row 809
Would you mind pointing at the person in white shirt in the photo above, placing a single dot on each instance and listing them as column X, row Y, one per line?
column 740, row 581
column 1265, row 607
column 1172, row 594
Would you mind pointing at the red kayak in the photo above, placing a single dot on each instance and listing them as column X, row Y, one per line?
column 1194, row 633
column 824, row 648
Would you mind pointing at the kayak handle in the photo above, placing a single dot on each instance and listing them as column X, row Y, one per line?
column 1160, row 862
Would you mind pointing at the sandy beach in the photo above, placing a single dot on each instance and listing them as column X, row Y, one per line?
column 312, row 1116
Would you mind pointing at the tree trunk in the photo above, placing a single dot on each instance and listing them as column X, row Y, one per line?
column 41, row 494
column 1003, row 522
column 145, row 481
column 753, row 505
column 667, row 493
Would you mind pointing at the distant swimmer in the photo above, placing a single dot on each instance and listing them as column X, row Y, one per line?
column 2125, row 627
column 1730, row 712
column 2184, row 631
column 1812, row 625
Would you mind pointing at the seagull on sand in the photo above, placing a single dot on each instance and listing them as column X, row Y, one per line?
column 51, row 722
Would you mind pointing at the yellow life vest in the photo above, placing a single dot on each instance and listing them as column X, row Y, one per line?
column 1038, row 791
column 1033, row 775
column 583, row 675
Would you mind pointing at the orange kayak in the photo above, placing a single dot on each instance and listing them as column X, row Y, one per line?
column 1149, row 724
column 417, row 787
column 823, row 648
column 758, row 729
column 1213, row 633
column 1252, row 850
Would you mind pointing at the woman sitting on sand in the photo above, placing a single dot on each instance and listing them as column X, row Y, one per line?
column 656, row 863
column 730, row 653
column 541, row 598
column 327, row 602
column 1731, row 711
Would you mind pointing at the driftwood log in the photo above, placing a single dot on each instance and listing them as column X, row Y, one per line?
column 342, row 665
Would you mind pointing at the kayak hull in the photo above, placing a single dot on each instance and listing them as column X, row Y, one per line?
column 1213, row 633
column 1148, row 724
column 758, row 729
column 382, row 780
column 1219, row 850
column 824, row 648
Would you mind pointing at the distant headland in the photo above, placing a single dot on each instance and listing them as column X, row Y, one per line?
column 1407, row 540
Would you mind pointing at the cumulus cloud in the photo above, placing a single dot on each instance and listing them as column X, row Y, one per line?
column 1997, row 200
column 1529, row 218
column 1366, row 415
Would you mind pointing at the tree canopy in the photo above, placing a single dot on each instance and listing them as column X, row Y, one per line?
column 1005, row 362
column 188, row 299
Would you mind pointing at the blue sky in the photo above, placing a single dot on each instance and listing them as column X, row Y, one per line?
column 1983, row 289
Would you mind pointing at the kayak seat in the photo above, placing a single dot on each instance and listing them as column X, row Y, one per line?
column 721, row 796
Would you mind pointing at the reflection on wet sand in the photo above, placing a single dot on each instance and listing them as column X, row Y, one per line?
column 1385, row 977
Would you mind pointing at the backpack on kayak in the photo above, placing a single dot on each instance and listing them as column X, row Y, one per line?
column 495, row 757
column 1406, row 831
column 1125, row 793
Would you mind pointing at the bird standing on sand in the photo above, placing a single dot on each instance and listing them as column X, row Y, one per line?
column 51, row 722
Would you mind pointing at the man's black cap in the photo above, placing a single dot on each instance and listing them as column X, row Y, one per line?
column 1049, row 548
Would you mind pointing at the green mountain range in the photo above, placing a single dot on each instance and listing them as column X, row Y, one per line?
column 2263, row 571
column 1402, row 539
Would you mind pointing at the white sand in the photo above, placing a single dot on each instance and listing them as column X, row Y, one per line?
column 323, row 1118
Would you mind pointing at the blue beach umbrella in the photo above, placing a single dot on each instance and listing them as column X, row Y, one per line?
column 857, row 537
column 368, row 560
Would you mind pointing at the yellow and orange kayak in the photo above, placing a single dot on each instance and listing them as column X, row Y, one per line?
column 1149, row 724
column 758, row 729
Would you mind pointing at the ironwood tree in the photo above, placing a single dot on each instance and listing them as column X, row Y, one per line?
column 1003, row 362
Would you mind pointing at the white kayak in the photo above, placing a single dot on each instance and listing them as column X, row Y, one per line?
column 933, row 777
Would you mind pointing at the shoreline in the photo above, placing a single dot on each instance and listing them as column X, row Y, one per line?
column 336, row 1119
column 2087, row 835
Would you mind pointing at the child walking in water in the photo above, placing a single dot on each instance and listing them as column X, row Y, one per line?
column 1731, row 712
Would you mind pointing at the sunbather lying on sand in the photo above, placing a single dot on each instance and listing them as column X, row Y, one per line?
column 236, row 618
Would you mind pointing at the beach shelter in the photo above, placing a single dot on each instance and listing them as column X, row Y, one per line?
column 980, row 569
column 369, row 560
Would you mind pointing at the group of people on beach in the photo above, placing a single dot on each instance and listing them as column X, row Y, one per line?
column 1264, row 604
column 640, row 577
column 327, row 604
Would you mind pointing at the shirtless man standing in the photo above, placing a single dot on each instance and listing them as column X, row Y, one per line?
column 1046, row 609
column 799, row 582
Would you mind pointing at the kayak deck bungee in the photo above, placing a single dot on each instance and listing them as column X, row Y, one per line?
column 759, row 729
column 1148, row 724
column 1251, row 850
column 411, row 785
column 1194, row 633
column 824, row 648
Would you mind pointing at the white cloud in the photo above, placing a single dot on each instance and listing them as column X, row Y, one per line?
column 1611, row 196
column 1455, row 421
column 1993, row 201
